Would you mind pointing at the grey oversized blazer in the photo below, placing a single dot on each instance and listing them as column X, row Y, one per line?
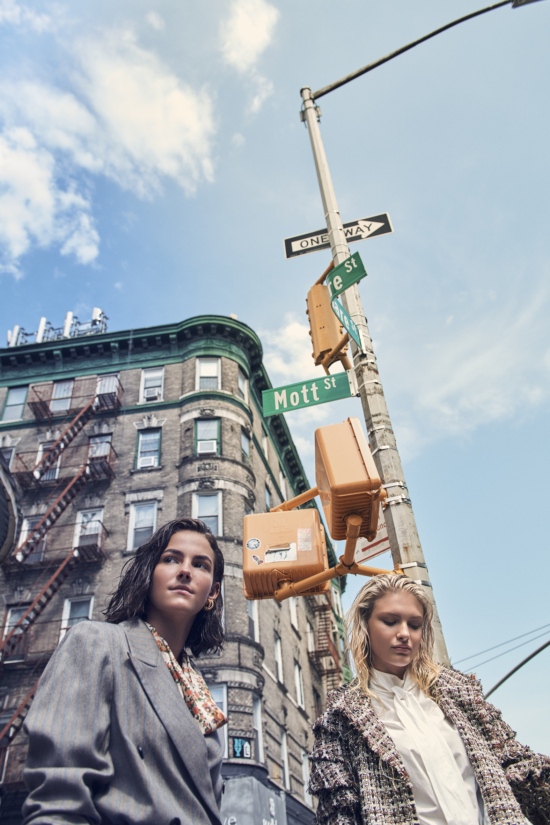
column 112, row 741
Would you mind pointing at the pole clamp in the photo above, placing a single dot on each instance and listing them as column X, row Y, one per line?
column 391, row 500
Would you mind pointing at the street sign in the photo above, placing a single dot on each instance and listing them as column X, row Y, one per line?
column 347, row 322
column 358, row 230
column 345, row 275
column 309, row 393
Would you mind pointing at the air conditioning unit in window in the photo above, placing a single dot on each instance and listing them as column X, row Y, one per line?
column 207, row 447
column 151, row 394
column 147, row 461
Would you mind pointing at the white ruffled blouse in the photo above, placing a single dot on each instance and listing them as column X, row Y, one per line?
column 444, row 786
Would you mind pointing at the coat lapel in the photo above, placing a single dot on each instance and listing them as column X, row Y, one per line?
column 356, row 706
column 171, row 709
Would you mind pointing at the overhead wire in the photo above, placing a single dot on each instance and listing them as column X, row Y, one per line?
column 504, row 652
column 494, row 647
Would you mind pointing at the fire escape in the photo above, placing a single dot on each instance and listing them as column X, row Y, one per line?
column 58, row 475
column 324, row 654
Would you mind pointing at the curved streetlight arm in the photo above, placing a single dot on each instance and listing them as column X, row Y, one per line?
column 517, row 667
column 326, row 89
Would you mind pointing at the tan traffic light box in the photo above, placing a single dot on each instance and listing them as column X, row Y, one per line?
column 347, row 478
column 282, row 546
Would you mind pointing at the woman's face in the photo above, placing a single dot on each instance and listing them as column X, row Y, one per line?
column 184, row 578
column 395, row 632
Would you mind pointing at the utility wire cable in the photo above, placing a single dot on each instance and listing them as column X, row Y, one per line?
column 494, row 647
column 504, row 652
column 517, row 667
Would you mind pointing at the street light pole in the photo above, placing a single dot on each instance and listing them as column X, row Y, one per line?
column 402, row 533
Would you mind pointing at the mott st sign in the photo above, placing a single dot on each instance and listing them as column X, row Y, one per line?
column 358, row 230
column 345, row 275
column 309, row 393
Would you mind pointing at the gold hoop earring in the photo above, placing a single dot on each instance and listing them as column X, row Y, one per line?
column 209, row 604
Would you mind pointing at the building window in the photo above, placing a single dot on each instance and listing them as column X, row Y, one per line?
column 282, row 483
column 7, row 454
column 99, row 446
column 75, row 611
column 248, row 508
column 245, row 445
column 208, row 508
column 265, row 444
column 143, row 521
column 152, row 385
column 267, row 498
column 52, row 472
column 15, row 403
column 305, row 777
column 242, row 386
column 318, row 707
column 89, row 528
column 284, row 759
column 278, row 659
column 107, row 384
column 37, row 553
column 61, row 396
column 299, row 685
column 253, row 620
column 219, row 695
column 148, row 448
column 336, row 601
column 258, row 729
column 293, row 606
column 207, row 436
column 310, row 635
column 208, row 374
column 21, row 639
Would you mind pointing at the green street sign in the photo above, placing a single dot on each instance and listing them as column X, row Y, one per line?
column 308, row 393
column 345, row 275
column 347, row 322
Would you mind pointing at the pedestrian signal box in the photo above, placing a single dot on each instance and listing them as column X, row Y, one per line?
column 347, row 479
column 282, row 547
column 325, row 328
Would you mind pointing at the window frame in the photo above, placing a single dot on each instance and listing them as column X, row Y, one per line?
column 160, row 386
column 243, row 387
column 156, row 457
column 21, row 404
column 299, row 685
column 308, row 799
column 40, row 548
column 134, row 507
column 213, row 686
column 209, row 494
column 80, row 521
column 16, row 656
column 246, row 439
column 4, row 452
column 257, row 725
column 284, row 759
column 67, row 398
column 197, row 440
column 253, row 614
column 200, row 361
column 293, row 608
column 66, row 614
column 278, row 651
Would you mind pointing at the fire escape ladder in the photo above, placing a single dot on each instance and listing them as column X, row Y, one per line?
column 12, row 728
column 13, row 638
column 52, row 514
column 71, row 431
column 326, row 655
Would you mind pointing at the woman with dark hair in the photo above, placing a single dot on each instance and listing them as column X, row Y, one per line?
column 123, row 729
column 409, row 742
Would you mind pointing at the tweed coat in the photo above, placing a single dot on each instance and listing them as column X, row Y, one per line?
column 112, row 742
column 359, row 777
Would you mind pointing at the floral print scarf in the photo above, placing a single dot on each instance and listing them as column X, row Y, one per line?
column 192, row 687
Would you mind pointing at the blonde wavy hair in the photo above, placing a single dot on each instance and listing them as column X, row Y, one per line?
column 423, row 669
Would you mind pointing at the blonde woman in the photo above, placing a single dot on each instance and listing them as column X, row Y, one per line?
column 409, row 741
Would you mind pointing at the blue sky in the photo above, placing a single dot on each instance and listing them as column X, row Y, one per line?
column 152, row 161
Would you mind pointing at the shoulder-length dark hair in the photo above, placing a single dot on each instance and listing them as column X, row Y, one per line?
column 132, row 594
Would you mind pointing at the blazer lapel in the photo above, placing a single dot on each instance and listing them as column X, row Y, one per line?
column 356, row 706
column 171, row 709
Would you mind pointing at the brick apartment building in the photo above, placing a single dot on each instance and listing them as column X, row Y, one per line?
column 108, row 435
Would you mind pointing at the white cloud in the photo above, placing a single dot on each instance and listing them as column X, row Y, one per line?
column 247, row 32
column 34, row 209
column 155, row 21
column 288, row 351
column 15, row 14
column 127, row 117
column 264, row 88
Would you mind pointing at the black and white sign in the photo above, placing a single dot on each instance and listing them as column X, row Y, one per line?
column 355, row 231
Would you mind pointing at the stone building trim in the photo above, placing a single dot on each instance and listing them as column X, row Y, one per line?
column 215, row 484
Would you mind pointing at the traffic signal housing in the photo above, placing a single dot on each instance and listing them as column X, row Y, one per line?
column 327, row 337
column 347, row 479
column 282, row 547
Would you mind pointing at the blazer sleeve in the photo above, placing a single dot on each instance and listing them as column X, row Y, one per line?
column 68, row 725
column 527, row 772
column 331, row 778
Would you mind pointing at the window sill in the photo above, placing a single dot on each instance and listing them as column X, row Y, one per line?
column 146, row 469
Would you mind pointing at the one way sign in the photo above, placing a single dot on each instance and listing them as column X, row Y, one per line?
column 355, row 231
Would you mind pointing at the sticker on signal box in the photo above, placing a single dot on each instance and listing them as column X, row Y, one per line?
column 253, row 544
